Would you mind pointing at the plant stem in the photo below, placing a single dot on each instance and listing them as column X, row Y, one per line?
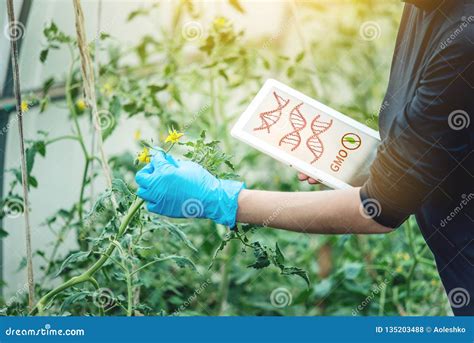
column 226, row 268
column 71, row 107
column 62, row 138
column 97, row 287
column 82, row 241
column 85, row 276
column 411, row 273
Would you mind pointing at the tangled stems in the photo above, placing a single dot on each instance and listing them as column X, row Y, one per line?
column 87, row 276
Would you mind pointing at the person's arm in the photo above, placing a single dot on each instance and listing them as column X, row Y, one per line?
column 429, row 139
column 325, row 212
column 184, row 189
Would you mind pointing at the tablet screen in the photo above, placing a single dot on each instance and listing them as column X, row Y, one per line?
column 313, row 136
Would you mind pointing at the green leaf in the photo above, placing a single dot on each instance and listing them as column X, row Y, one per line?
column 290, row 71
column 3, row 233
column 279, row 258
column 73, row 258
column 75, row 297
column 323, row 288
column 157, row 88
column 178, row 234
column 261, row 256
column 219, row 248
column 32, row 181
column 298, row 272
column 352, row 270
column 184, row 262
column 299, row 57
column 223, row 74
column 44, row 55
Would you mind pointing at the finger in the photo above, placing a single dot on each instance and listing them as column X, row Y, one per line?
column 144, row 175
column 143, row 193
column 161, row 159
column 152, row 207
column 302, row 177
column 171, row 160
column 312, row 181
column 158, row 158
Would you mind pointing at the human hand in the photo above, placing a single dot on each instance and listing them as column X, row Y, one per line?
column 304, row 177
column 184, row 189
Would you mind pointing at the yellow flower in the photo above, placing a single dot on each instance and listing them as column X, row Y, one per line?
column 24, row 106
column 434, row 282
column 107, row 88
column 406, row 256
column 137, row 135
column 220, row 22
column 81, row 104
column 173, row 136
column 144, row 156
column 399, row 269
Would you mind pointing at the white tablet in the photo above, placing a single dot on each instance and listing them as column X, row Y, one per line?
column 308, row 136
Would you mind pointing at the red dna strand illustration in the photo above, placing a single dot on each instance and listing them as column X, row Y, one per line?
column 298, row 122
column 270, row 118
column 314, row 143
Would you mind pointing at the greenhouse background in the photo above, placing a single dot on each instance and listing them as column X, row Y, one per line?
column 338, row 52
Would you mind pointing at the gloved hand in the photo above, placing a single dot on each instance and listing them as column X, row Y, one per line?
column 184, row 189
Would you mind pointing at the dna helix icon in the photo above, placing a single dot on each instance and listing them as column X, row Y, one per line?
column 270, row 118
column 298, row 122
column 314, row 143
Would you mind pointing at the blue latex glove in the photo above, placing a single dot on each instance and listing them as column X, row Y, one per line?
column 184, row 189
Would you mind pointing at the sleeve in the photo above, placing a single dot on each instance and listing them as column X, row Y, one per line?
column 427, row 141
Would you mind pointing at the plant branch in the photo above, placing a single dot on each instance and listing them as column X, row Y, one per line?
column 85, row 276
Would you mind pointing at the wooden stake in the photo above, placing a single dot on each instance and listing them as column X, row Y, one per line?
column 88, row 79
column 24, row 174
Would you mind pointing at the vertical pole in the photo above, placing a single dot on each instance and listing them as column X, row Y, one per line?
column 16, row 85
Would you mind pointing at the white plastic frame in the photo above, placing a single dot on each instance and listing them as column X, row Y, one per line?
column 282, row 156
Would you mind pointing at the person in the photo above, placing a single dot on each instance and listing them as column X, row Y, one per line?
column 424, row 165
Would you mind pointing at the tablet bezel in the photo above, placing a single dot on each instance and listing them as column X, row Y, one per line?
column 282, row 156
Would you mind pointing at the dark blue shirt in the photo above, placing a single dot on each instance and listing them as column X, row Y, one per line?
column 425, row 164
